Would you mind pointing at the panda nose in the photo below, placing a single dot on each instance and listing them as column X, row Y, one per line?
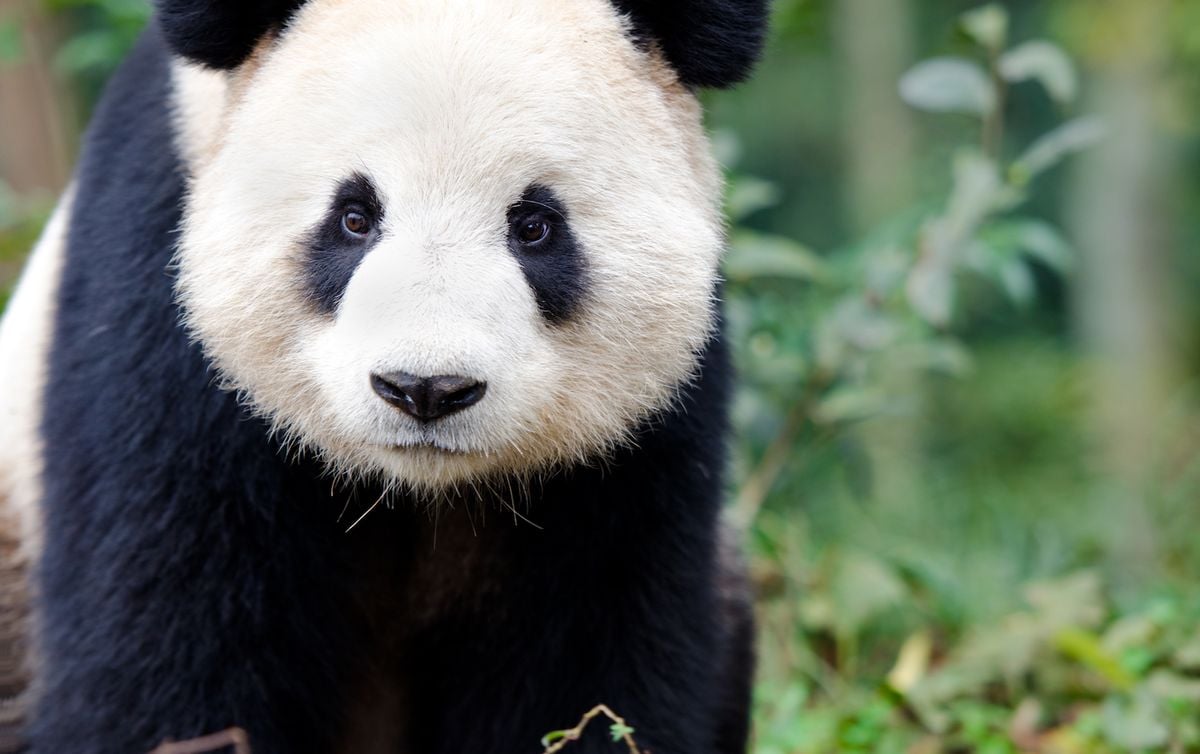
column 428, row 398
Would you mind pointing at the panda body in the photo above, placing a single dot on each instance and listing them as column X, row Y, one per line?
column 193, row 459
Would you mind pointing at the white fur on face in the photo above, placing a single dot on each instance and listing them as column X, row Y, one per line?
column 453, row 108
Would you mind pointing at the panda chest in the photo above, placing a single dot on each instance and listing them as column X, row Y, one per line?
column 423, row 583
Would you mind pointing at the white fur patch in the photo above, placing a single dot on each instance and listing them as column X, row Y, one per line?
column 199, row 104
column 453, row 108
column 25, row 335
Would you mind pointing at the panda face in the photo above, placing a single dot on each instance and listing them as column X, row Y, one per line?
column 443, row 240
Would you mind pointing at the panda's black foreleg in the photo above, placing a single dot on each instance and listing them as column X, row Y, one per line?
column 190, row 573
column 736, row 686
column 168, row 618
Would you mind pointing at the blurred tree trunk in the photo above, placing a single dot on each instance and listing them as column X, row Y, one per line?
column 876, row 45
column 34, row 153
column 1123, row 306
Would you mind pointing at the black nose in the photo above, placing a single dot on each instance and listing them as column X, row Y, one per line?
column 428, row 398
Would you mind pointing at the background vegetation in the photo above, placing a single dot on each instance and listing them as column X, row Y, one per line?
column 962, row 294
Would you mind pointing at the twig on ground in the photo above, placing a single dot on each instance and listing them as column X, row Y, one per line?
column 234, row 737
column 559, row 740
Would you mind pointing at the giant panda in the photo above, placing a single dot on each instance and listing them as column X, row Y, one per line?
column 368, row 388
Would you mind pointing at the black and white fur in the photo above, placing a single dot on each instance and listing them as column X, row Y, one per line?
column 192, row 418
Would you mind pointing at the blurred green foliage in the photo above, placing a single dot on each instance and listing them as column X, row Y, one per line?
column 102, row 32
column 20, row 223
column 950, row 554
column 937, row 539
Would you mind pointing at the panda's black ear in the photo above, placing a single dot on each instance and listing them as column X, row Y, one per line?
column 711, row 43
column 221, row 33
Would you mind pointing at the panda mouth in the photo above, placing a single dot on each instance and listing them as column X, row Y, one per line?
column 428, row 446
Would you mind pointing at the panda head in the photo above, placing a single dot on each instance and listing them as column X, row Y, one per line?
column 443, row 240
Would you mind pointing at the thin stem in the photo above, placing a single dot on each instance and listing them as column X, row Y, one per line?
column 993, row 122
column 773, row 462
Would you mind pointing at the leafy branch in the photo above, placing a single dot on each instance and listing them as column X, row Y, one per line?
column 893, row 301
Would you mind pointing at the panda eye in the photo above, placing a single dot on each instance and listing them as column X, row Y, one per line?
column 532, row 230
column 355, row 222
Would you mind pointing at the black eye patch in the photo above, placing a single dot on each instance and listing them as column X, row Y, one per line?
column 540, row 237
column 337, row 244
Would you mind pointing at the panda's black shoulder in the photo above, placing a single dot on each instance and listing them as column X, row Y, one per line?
column 120, row 364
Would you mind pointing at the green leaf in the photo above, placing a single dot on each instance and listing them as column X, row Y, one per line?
column 1073, row 601
column 863, row 325
column 755, row 255
column 552, row 736
column 1187, row 656
column 113, row 10
column 864, row 587
column 1000, row 252
column 942, row 355
column 1052, row 148
column 853, row 328
column 987, row 25
column 12, row 46
column 885, row 269
column 1044, row 243
column 619, row 731
column 749, row 195
column 1086, row 648
column 848, row 404
column 1039, row 240
column 949, row 85
column 947, row 241
column 1166, row 685
column 1017, row 281
column 931, row 292
column 1044, row 62
column 1135, row 724
column 89, row 51
column 978, row 191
